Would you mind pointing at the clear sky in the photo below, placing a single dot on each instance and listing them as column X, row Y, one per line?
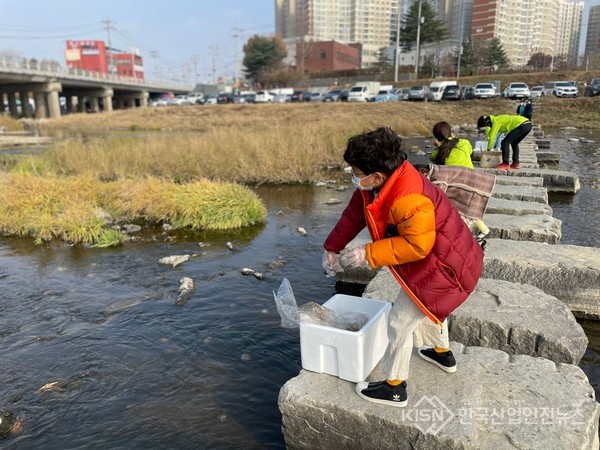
column 185, row 34
column 182, row 32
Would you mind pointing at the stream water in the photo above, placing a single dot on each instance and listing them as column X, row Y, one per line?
column 134, row 371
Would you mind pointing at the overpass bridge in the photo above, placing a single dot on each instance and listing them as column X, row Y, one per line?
column 83, row 90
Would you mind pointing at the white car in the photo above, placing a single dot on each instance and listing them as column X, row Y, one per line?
column 180, row 100
column 518, row 90
column 537, row 91
column 561, row 89
column 485, row 90
column 263, row 97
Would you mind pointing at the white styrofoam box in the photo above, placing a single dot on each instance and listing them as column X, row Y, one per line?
column 349, row 355
column 481, row 146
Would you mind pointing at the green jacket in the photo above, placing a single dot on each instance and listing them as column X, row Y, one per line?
column 503, row 124
column 459, row 155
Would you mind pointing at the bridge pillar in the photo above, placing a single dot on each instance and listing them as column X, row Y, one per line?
column 53, row 100
column 12, row 104
column 25, row 106
column 40, row 105
column 119, row 104
column 70, row 105
column 107, row 103
column 81, row 103
column 144, row 99
column 94, row 104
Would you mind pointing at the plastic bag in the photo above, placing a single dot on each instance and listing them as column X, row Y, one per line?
column 291, row 314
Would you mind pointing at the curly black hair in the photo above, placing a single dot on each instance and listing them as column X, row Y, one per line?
column 378, row 150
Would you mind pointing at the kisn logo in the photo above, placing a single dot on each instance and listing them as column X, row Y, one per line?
column 429, row 415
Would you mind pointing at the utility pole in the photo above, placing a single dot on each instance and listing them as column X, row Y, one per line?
column 397, row 55
column 235, row 52
column 108, row 25
column 195, row 64
column 460, row 36
column 154, row 56
column 418, row 41
column 213, row 56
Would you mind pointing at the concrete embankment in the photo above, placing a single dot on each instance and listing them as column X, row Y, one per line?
column 517, row 385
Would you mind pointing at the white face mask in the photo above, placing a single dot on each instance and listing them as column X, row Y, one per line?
column 356, row 182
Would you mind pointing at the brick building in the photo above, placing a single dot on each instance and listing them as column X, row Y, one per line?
column 326, row 56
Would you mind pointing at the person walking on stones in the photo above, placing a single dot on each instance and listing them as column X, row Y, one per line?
column 515, row 127
column 450, row 151
column 420, row 237
column 528, row 109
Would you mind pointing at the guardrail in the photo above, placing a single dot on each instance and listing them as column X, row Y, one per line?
column 25, row 66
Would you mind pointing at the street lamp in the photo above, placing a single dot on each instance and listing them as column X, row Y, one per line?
column 397, row 56
column 419, row 21
column 460, row 37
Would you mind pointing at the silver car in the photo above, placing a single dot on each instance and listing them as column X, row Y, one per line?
column 420, row 92
column 485, row 90
column 517, row 90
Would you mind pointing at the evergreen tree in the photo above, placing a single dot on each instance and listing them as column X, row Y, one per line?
column 383, row 64
column 496, row 56
column 263, row 54
column 467, row 59
column 432, row 29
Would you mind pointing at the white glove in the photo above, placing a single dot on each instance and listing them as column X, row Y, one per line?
column 331, row 263
column 357, row 257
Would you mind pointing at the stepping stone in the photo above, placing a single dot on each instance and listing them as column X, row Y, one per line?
column 516, row 207
column 493, row 401
column 522, row 193
column 518, row 319
column 559, row 181
column 519, row 181
column 528, row 227
column 570, row 273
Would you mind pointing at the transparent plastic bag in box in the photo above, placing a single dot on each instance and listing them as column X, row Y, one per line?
column 291, row 314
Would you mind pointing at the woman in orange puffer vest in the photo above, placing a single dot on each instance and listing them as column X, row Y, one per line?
column 420, row 236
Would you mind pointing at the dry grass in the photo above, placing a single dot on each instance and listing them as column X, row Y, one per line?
column 10, row 124
column 261, row 143
column 68, row 208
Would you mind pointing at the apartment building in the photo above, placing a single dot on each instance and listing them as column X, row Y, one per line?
column 525, row 27
column 592, row 38
column 368, row 22
column 569, row 30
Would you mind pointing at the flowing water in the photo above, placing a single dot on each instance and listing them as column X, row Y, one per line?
column 132, row 370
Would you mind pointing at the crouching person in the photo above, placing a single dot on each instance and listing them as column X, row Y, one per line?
column 420, row 236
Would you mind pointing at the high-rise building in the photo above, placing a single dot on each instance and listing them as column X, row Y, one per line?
column 569, row 30
column 371, row 23
column 592, row 38
column 525, row 27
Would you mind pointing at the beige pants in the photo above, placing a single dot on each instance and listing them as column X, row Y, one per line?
column 405, row 319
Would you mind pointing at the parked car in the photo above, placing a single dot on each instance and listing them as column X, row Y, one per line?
column 420, row 92
column 452, row 92
column 180, row 99
column 485, row 90
column 211, row 100
column 316, row 97
column 402, row 93
column 298, row 96
column 225, row 97
column 282, row 98
column 468, row 92
column 335, row 95
column 263, row 97
column 536, row 91
column 517, row 90
column 386, row 95
column 561, row 89
column 196, row 98
column 249, row 98
column 593, row 88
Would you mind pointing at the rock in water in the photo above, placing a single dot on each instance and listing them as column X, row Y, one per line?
column 247, row 271
column 186, row 290
column 302, row 231
column 174, row 260
column 230, row 246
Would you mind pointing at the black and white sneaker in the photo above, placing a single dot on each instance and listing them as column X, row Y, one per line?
column 444, row 361
column 384, row 393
